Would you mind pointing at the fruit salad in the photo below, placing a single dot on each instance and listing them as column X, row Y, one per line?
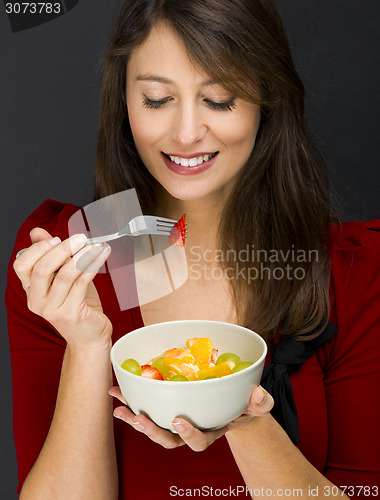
column 197, row 361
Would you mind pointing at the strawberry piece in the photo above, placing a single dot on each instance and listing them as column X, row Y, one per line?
column 178, row 232
column 148, row 371
column 214, row 355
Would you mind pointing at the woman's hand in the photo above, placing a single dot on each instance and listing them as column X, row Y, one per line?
column 57, row 278
column 261, row 403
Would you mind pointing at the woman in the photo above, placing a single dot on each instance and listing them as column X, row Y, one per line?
column 183, row 80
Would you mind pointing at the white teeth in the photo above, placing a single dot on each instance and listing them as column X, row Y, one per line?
column 190, row 162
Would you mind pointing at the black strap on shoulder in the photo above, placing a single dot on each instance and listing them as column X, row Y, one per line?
column 289, row 355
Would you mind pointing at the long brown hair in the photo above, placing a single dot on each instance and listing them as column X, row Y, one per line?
column 281, row 201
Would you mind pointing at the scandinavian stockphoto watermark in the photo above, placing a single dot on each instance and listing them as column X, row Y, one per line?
column 146, row 268
column 249, row 263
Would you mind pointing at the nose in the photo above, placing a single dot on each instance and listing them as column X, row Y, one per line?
column 188, row 126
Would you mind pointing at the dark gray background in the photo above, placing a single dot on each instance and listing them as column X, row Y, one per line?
column 49, row 92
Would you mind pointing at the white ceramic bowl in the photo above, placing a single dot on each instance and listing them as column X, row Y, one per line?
column 207, row 404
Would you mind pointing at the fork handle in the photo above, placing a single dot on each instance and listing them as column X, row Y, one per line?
column 90, row 241
column 103, row 239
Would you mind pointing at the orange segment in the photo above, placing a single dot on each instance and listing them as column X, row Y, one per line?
column 170, row 374
column 184, row 364
column 218, row 370
column 201, row 349
column 173, row 353
column 203, row 366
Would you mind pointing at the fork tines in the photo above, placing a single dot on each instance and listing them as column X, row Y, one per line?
column 164, row 225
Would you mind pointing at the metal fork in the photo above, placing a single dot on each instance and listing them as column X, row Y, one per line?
column 142, row 224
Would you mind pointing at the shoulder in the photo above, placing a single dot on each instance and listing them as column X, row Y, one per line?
column 355, row 287
column 355, row 253
column 355, row 235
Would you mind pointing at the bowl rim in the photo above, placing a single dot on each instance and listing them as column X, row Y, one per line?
column 166, row 382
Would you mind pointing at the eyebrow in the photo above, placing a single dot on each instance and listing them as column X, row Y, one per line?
column 161, row 79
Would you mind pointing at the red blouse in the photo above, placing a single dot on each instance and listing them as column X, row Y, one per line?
column 336, row 390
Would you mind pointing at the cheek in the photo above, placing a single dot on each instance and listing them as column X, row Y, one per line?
column 242, row 127
column 241, row 133
column 137, row 123
column 144, row 126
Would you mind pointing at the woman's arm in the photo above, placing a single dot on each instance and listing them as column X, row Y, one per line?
column 272, row 464
column 77, row 459
column 266, row 457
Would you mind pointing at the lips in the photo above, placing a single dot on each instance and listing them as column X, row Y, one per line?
column 189, row 166
column 190, row 161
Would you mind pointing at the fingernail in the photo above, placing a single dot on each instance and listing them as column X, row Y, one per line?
column 79, row 239
column 261, row 400
column 118, row 416
column 178, row 426
column 99, row 247
column 102, row 248
column 137, row 424
column 55, row 241
column 107, row 249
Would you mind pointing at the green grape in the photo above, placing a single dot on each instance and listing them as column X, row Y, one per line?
column 132, row 366
column 179, row 378
column 210, row 376
column 161, row 367
column 228, row 356
column 241, row 366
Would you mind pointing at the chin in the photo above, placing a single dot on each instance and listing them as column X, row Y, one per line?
column 187, row 193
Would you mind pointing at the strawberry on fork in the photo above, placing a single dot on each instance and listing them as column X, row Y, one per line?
column 178, row 232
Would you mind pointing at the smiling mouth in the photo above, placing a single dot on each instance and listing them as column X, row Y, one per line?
column 191, row 162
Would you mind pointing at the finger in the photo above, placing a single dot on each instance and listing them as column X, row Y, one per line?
column 24, row 264
column 42, row 273
column 143, row 424
column 78, row 291
column 81, row 263
column 39, row 234
column 124, row 413
column 36, row 234
column 261, row 402
column 196, row 439
column 115, row 392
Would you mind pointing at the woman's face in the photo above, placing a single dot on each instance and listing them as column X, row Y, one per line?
column 179, row 117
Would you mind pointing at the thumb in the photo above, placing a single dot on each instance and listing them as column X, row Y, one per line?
column 39, row 234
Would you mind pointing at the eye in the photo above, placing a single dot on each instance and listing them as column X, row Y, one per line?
column 222, row 106
column 154, row 103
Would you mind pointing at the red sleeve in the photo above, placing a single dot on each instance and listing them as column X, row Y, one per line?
column 352, row 377
column 36, row 348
